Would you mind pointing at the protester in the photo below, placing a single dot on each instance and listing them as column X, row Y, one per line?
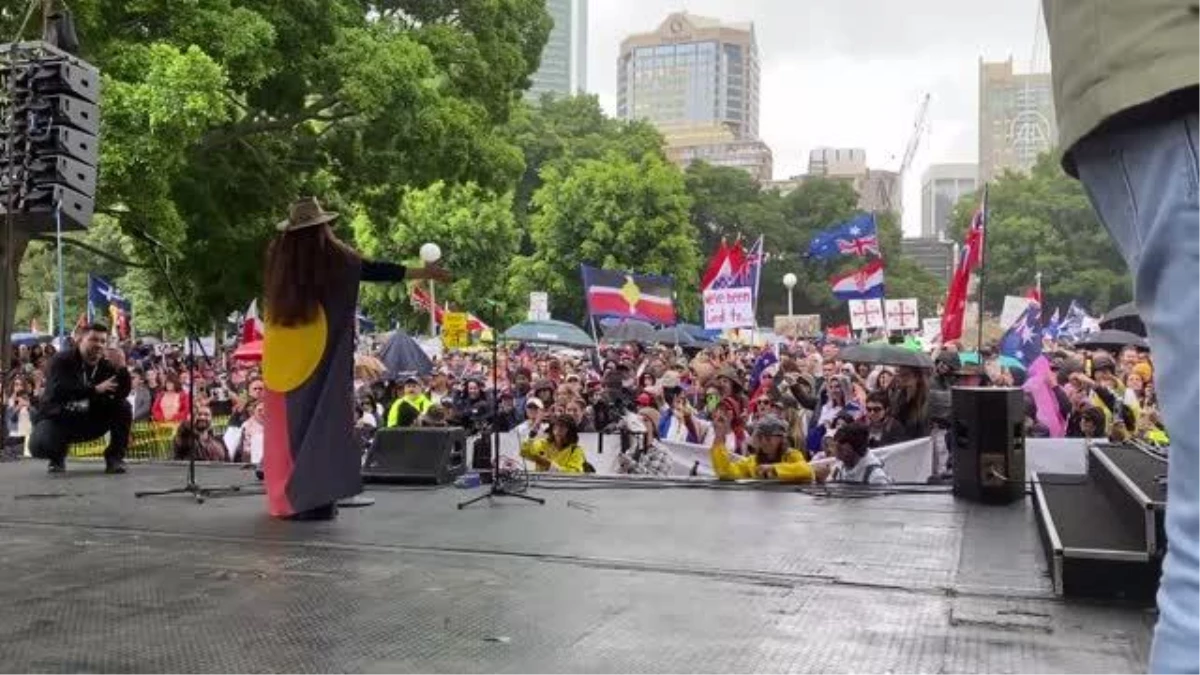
column 557, row 451
column 769, row 458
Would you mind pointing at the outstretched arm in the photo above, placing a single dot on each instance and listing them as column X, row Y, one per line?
column 378, row 270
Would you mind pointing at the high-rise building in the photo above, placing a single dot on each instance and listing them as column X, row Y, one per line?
column 563, row 71
column 932, row 255
column 1016, row 118
column 941, row 188
column 837, row 162
column 691, row 70
column 717, row 145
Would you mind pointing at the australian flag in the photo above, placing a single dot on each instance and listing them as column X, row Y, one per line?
column 857, row 236
column 1023, row 341
column 106, row 303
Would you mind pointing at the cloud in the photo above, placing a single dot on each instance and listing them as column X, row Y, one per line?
column 850, row 73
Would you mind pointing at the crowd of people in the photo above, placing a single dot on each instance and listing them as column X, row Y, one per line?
column 794, row 411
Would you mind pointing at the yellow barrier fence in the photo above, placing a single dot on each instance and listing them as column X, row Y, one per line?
column 147, row 440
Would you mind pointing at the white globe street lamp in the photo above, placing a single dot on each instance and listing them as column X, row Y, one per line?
column 430, row 254
column 789, row 281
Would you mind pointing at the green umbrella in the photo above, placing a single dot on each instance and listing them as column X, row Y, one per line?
column 910, row 343
column 549, row 332
column 972, row 359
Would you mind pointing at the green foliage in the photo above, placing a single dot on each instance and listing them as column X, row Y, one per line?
column 476, row 231
column 614, row 213
column 558, row 131
column 1044, row 222
column 216, row 114
column 728, row 202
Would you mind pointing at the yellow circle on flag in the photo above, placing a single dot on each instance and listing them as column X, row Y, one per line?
column 291, row 354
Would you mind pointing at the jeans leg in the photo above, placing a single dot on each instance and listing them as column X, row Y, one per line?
column 118, row 420
column 1143, row 184
column 49, row 440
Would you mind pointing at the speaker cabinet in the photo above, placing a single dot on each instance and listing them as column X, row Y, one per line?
column 416, row 455
column 989, row 443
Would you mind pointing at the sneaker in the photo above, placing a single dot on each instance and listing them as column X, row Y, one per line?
column 115, row 468
column 58, row 467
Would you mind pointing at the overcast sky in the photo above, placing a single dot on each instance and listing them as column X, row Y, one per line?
column 851, row 73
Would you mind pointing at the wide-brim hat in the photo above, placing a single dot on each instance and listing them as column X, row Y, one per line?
column 303, row 213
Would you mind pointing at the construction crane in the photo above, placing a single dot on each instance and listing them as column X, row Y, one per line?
column 887, row 188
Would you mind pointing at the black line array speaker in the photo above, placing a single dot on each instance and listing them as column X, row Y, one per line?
column 989, row 443
column 416, row 455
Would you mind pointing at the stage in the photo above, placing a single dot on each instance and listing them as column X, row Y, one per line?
column 608, row 580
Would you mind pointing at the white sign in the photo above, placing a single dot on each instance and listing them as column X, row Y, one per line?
column 728, row 308
column 931, row 330
column 1013, row 307
column 902, row 314
column 539, row 306
column 866, row 314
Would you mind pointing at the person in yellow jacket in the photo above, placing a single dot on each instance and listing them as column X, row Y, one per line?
column 406, row 409
column 560, row 451
column 771, row 458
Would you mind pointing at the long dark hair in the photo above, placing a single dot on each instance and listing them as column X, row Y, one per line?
column 301, row 265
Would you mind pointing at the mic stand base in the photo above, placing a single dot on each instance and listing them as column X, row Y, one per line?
column 500, row 492
column 197, row 491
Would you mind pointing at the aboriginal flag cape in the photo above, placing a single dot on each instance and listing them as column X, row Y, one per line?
column 310, row 458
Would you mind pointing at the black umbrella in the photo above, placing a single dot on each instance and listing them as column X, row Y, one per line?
column 402, row 354
column 1112, row 340
column 1124, row 318
column 886, row 355
column 630, row 330
column 678, row 337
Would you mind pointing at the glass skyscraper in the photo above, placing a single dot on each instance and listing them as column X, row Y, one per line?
column 563, row 70
column 691, row 70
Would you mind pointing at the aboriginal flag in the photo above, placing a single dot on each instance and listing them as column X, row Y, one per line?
column 626, row 295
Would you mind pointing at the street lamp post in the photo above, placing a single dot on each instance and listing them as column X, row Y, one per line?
column 789, row 280
column 430, row 254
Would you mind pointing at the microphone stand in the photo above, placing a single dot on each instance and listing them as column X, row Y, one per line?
column 190, row 487
column 497, row 488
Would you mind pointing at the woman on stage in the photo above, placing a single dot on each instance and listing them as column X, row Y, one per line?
column 310, row 458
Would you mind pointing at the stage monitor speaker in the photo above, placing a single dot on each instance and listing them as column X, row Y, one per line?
column 989, row 443
column 416, row 455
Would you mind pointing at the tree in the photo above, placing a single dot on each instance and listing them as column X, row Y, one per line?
column 613, row 213
column 728, row 203
column 1043, row 222
column 476, row 231
column 561, row 130
column 816, row 205
column 217, row 114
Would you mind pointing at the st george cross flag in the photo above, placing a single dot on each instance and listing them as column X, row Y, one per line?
column 860, row 284
column 857, row 236
column 105, row 300
column 611, row 293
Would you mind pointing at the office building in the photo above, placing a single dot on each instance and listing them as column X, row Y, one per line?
column 716, row 144
column 935, row 256
column 1016, row 118
column 837, row 162
column 941, row 188
column 563, row 70
column 878, row 190
column 691, row 70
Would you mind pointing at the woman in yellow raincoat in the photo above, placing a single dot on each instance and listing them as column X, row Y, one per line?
column 771, row 458
column 560, row 452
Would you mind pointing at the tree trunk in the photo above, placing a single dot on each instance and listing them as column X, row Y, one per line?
column 10, row 287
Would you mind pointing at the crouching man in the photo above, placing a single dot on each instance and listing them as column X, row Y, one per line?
column 85, row 398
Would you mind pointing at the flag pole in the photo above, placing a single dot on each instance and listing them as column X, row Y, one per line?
column 982, row 273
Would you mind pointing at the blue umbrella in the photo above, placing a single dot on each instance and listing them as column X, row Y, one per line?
column 630, row 330
column 402, row 354
column 549, row 332
column 30, row 339
column 972, row 359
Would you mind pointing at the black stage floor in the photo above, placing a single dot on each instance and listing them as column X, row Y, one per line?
column 597, row 580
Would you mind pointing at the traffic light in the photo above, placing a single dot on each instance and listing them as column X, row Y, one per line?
column 49, row 112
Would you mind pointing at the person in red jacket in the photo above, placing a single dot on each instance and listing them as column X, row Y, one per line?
column 172, row 402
